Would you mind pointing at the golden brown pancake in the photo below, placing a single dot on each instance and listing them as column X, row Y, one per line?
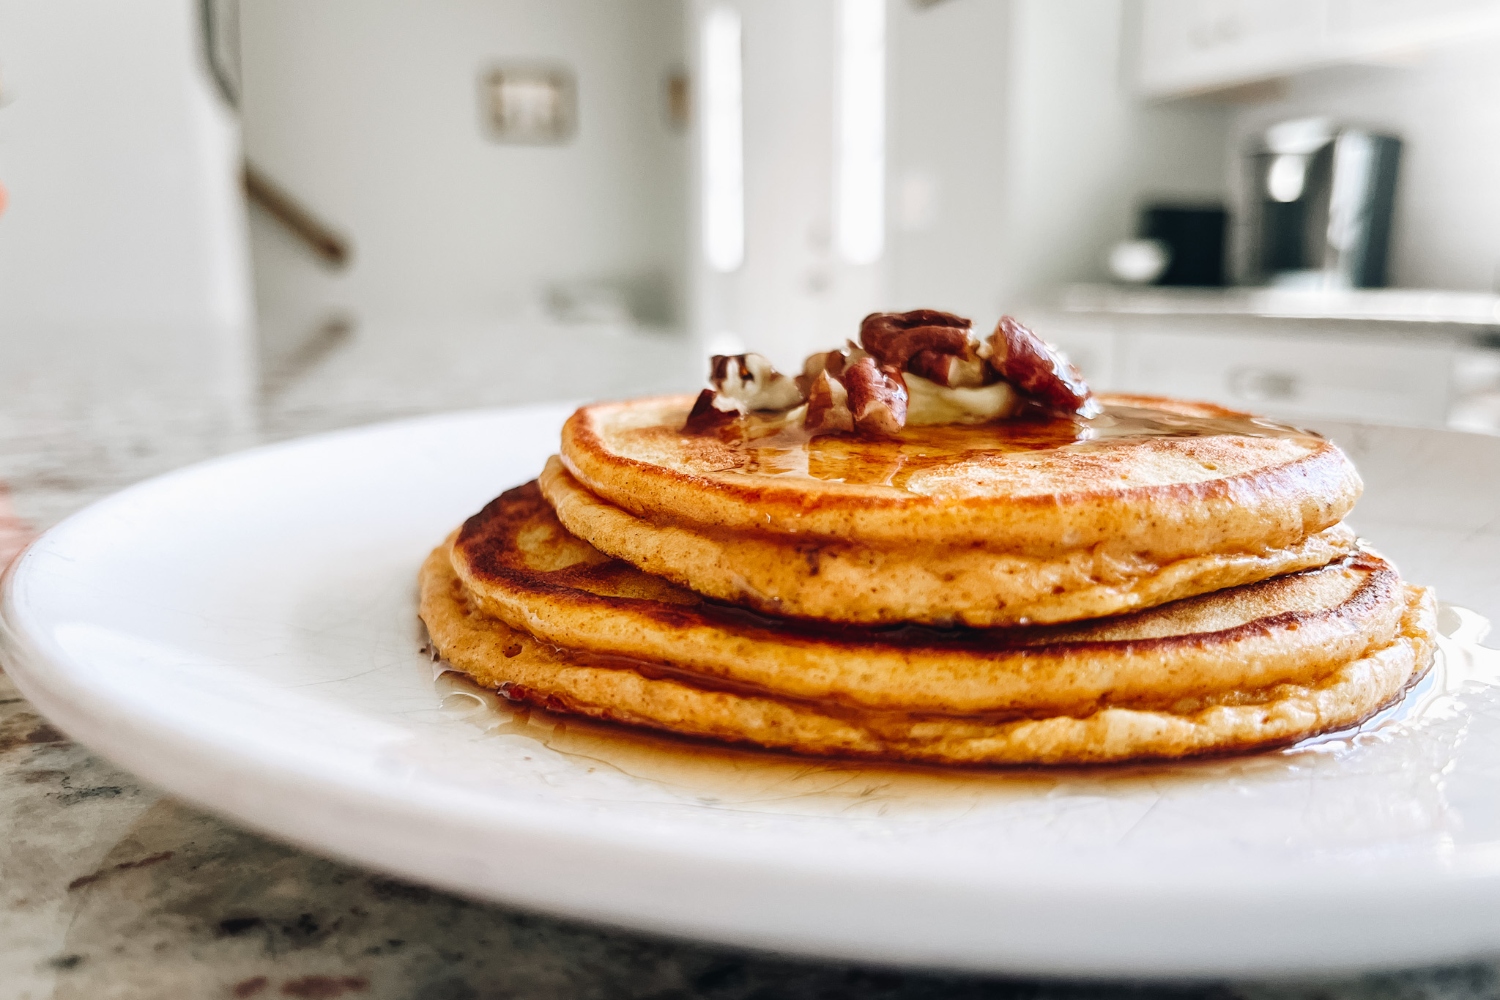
column 1034, row 520
column 522, row 606
column 943, row 584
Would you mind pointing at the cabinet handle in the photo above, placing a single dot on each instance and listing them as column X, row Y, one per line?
column 1262, row 385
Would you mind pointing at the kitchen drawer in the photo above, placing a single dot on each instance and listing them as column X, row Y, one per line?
column 1377, row 380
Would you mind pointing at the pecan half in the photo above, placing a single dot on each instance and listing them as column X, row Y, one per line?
column 750, row 379
column 707, row 418
column 877, row 396
column 1037, row 369
column 893, row 338
column 827, row 406
column 919, row 317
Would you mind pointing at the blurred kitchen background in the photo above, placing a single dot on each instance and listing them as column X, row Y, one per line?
column 231, row 222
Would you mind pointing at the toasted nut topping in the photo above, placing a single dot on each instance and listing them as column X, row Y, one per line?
column 707, row 416
column 894, row 337
column 832, row 362
column 877, row 396
column 827, row 406
column 914, row 319
column 958, row 371
column 750, row 379
column 914, row 368
column 1038, row 369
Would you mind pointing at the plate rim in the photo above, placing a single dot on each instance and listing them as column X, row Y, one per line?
column 43, row 676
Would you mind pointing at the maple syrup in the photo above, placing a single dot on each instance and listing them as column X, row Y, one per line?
column 744, row 779
column 768, row 446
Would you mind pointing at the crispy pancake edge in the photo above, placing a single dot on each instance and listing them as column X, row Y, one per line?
column 528, row 670
column 1273, row 506
column 935, row 584
column 907, row 668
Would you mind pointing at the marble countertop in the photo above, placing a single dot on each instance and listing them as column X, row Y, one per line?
column 111, row 889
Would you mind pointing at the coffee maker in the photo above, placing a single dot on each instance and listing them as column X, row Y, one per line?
column 1318, row 205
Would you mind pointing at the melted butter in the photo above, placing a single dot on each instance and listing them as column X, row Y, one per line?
column 768, row 446
column 725, row 777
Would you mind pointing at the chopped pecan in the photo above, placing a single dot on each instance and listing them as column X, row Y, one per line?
column 918, row 317
column 750, row 379
column 1038, row 369
column 827, row 406
column 893, row 338
column 832, row 362
column 706, row 416
column 957, row 371
column 877, row 396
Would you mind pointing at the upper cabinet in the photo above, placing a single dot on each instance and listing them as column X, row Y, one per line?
column 1189, row 46
column 1198, row 46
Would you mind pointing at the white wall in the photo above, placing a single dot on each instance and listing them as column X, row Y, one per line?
column 122, row 166
column 1023, row 115
column 793, row 294
column 790, row 60
column 1446, row 232
column 951, row 155
column 368, row 112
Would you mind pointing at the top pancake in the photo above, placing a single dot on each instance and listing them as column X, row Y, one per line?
column 1159, row 478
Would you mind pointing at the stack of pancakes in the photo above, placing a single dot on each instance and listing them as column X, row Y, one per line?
column 1160, row 580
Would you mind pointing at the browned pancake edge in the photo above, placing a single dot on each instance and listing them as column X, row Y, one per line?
column 520, row 566
column 540, row 673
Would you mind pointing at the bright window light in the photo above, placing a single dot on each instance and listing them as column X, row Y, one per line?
column 859, row 185
column 723, row 141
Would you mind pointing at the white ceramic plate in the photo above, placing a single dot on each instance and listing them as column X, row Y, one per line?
column 243, row 634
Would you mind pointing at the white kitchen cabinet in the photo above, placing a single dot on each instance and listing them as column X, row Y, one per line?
column 1195, row 46
column 1382, row 355
column 1368, row 27
column 1088, row 343
column 1299, row 374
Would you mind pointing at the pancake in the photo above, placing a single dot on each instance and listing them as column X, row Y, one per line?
column 1026, row 520
column 522, row 606
column 943, row 584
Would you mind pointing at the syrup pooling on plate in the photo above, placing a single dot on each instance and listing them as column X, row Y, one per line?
column 1415, row 732
column 769, row 446
column 1460, row 666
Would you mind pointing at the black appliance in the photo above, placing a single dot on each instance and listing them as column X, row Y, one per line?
column 1319, row 206
column 1194, row 240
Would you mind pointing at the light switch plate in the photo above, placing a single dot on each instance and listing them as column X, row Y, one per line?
column 530, row 104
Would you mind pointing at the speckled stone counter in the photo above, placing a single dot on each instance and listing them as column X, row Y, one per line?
column 109, row 889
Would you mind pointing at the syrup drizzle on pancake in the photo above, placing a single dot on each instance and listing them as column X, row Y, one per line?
column 739, row 777
column 769, row 446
